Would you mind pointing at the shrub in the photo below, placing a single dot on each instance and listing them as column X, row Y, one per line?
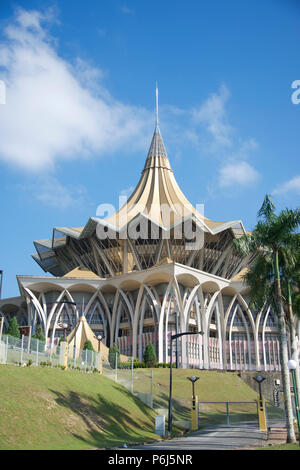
column 150, row 355
column 13, row 329
column 88, row 345
column 39, row 334
column 114, row 353
column 29, row 363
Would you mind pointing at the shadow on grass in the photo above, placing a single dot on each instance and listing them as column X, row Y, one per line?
column 105, row 422
column 181, row 408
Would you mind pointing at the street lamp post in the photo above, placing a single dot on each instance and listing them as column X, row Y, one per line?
column 170, row 416
column 64, row 326
column 261, row 405
column 100, row 338
column 292, row 364
column 259, row 379
column 194, row 379
column 176, row 332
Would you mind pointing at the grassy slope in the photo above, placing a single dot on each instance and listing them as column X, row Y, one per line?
column 213, row 386
column 54, row 409
column 43, row 408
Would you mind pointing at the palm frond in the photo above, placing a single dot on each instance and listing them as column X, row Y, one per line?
column 267, row 210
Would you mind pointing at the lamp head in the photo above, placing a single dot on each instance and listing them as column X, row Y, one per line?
column 259, row 379
column 193, row 378
column 292, row 364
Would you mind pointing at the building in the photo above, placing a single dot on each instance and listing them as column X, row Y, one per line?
column 154, row 262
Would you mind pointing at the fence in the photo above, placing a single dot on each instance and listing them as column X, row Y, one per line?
column 30, row 350
column 229, row 413
column 138, row 381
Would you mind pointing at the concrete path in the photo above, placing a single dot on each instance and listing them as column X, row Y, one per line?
column 239, row 436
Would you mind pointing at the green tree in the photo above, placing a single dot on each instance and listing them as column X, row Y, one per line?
column 271, row 235
column 39, row 334
column 114, row 356
column 150, row 355
column 88, row 345
column 13, row 329
column 291, row 277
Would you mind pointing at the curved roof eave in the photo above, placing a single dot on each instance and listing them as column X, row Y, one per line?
column 93, row 221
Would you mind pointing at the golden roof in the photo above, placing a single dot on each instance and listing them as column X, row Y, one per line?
column 157, row 189
column 239, row 276
column 81, row 272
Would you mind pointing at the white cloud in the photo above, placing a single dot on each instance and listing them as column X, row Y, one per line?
column 51, row 192
column 56, row 110
column 291, row 186
column 237, row 174
column 212, row 115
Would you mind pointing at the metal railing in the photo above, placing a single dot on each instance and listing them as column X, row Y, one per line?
column 138, row 381
column 230, row 413
column 31, row 351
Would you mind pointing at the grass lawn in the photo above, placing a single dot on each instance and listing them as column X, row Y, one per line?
column 281, row 447
column 47, row 408
column 213, row 386
column 44, row 408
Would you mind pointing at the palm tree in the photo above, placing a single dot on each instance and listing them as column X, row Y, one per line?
column 291, row 277
column 271, row 235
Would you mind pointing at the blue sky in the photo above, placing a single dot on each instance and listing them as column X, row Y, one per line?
column 80, row 98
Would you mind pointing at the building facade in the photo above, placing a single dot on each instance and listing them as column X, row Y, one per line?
column 154, row 267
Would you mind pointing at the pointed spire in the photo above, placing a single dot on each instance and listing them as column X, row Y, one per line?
column 156, row 127
column 157, row 150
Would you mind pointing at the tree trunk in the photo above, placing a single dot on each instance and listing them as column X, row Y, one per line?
column 294, row 343
column 285, row 373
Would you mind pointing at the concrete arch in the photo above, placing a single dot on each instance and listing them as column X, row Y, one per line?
column 44, row 287
column 155, row 279
column 98, row 307
column 211, row 286
column 80, row 287
column 268, row 313
column 136, row 320
column 130, row 285
column 99, row 295
column 209, row 309
column 128, row 305
column 189, row 302
column 124, row 304
column 161, row 322
column 60, row 297
column 187, row 280
column 39, row 310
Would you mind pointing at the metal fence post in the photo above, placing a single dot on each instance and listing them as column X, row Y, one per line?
column 151, row 396
column 116, row 368
column 74, row 356
column 37, row 352
column 227, row 414
column 51, row 348
column 6, row 352
column 132, row 375
column 22, row 342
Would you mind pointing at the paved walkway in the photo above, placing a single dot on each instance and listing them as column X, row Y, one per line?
column 239, row 436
